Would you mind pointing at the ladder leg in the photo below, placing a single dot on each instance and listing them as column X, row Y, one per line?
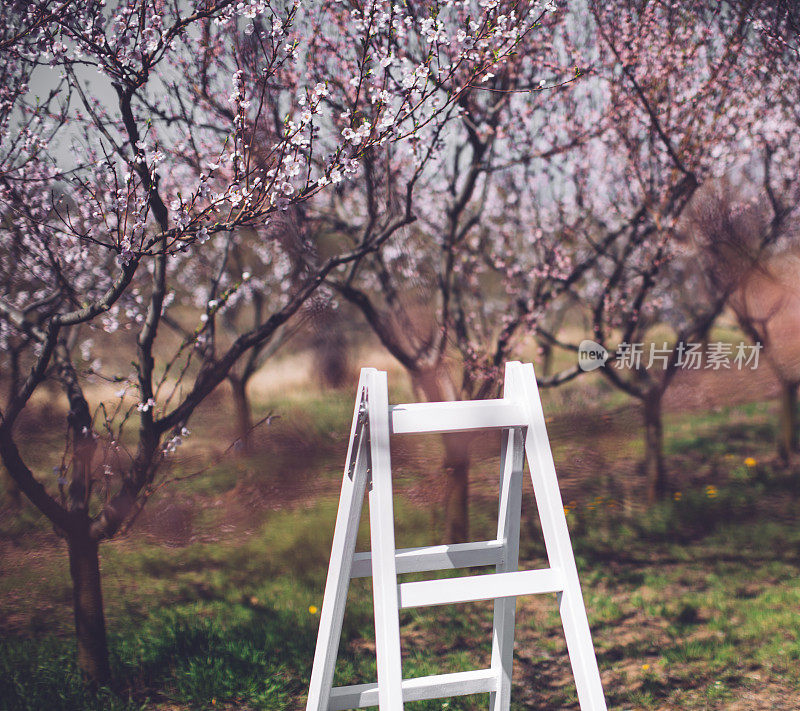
column 556, row 540
column 384, row 570
column 342, row 550
column 508, row 532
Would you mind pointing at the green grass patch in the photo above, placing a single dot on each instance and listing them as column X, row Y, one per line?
column 692, row 602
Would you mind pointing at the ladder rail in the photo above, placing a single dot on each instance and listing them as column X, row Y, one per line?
column 508, row 524
column 557, row 542
column 381, row 523
column 342, row 551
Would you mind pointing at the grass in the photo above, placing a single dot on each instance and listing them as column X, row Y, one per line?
column 692, row 602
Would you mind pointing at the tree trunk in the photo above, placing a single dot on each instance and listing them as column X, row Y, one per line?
column 13, row 496
column 331, row 350
column 654, row 468
column 244, row 418
column 546, row 358
column 456, row 502
column 435, row 385
column 87, row 596
column 787, row 428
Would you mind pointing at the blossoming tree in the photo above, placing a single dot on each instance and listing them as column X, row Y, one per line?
column 138, row 141
column 691, row 100
column 431, row 294
column 549, row 196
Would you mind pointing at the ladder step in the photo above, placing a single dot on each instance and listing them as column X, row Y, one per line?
column 360, row 696
column 480, row 587
column 447, row 557
column 455, row 416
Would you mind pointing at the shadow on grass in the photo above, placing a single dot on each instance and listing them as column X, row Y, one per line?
column 194, row 657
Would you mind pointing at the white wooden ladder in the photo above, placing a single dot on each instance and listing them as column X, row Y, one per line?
column 519, row 414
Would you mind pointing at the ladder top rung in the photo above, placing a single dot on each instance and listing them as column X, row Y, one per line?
column 455, row 416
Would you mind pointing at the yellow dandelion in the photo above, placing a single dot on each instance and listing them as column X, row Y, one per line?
column 677, row 496
column 645, row 667
column 312, row 609
column 750, row 462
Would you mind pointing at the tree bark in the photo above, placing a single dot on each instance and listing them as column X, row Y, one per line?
column 654, row 467
column 787, row 427
column 244, row 416
column 546, row 359
column 87, row 596
column 456, row 501
column 13, row 495
column 435, row 385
